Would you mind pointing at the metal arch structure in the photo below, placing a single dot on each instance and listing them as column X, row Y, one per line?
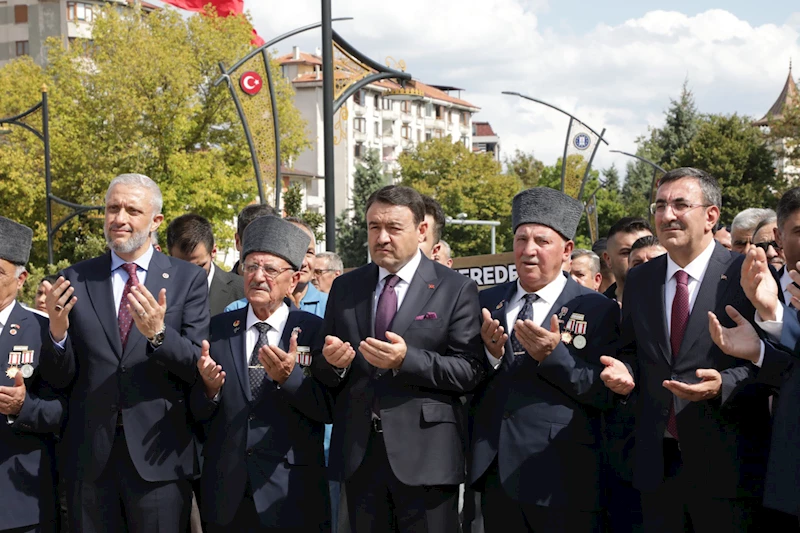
column 656, row 169
column 226, row 77
column 44, row 136
column 572, row 118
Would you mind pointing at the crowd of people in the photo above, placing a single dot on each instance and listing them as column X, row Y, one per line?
column 647, row 384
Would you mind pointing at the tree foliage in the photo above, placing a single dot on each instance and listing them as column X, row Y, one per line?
column 463, row 182
column 138, row 98
column 525, row 167
column 293, row 206
column 351, row 225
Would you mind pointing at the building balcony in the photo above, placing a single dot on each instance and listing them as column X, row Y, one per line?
column 359, row 136
column 439, row 124
column 389, row 140
column 407, row 118
column 359, row 110
column 465, row 129
column 390, row 114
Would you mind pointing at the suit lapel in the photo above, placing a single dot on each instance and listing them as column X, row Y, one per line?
column 656, row 312
column 158, row 277
column 709, row 294
column 101, row 293
column 571, row 291
column 363, row 297
column 420, row 290
column 237, row 345
column 499, row 313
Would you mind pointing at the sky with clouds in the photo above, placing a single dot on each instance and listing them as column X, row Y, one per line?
column 613, row 64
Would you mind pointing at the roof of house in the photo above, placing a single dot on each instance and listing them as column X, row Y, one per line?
column 787, row 98
column 145, row 5
column 309, row 59
column 483, row 129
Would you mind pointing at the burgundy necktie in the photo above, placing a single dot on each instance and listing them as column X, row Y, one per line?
column 680, row 317
column 124, row 317
column 387, row 307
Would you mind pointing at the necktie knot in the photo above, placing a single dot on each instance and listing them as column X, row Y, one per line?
column 530, row 297
column 262, row 327
column 681, row 277
column 130, row 268
column 390, row 281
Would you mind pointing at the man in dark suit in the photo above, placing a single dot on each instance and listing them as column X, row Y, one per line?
column 703, row 425
column 128, row 360
column 30, row 412
column 264, row 464
column 536, row 441
column 190, row 237
column 402, row 346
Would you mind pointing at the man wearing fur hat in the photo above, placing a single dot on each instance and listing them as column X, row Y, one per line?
column 30, row 413
column 536, row 441
column 264, row 465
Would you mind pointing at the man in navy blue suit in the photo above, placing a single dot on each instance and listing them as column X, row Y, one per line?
column 128, row 360
column 535, row 423
column 264, row 464
column 30, row 412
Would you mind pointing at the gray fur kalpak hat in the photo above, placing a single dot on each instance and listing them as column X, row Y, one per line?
column 273, row 235
column 548, row 207
column 15, row 242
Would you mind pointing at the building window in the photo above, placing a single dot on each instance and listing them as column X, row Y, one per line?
column 405, row 132
column 474, row 130
column 80, row 11
column 429, row 110
column 360, row 124
column 21, row 14
column 428, row 135
column 377, row 101
column 464, row 118
column 359, row 150
column 420, row 110
column 419, row 136
column 405, row 106
column 22, row 48
column 359, row 98
column 377, row 129
column 438, row 133
column 439, row 112
column 386, row 104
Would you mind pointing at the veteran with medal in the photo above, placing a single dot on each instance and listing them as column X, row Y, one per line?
column 30, row 412
column 535, row 421
column 264, row 468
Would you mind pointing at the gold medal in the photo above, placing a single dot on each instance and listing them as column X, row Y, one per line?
column 11, row 372
column 566, row 337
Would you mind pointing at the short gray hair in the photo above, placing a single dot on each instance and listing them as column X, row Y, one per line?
column 18, row 270
column 769, row 219
column 594, row 259
column 445, row 247
column 332, row 260
column 748, row 219
column 139, row 180
column 709, row 186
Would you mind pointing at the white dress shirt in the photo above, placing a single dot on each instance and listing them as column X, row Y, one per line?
column 211, row 275
column 5, row 314
column 541, row 307
column 277, row 320
column 696, row 271
column 119, row 277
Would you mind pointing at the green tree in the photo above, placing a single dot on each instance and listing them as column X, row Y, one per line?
column 681, row 122
column 736, row 153
column 525, row 167
column 293, row 206
column 463, row 182
column 351, row 225
column 139, row 99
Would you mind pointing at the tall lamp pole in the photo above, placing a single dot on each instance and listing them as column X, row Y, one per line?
column 327, row 125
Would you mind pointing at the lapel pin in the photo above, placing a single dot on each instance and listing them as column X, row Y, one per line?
column 500, row 305
column 563, row 312
column 15, row 326
column 236, row 326
column 723, row 277
column 12, row 332
column 431, row 286
column 165, row 275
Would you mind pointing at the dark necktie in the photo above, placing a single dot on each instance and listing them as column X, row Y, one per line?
column 124, row 317
column 526, row 313
column 387, row 307
column 680, row 317
column 255, row 371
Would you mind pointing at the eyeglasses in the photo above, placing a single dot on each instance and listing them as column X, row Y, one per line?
column 679, row 207
column 765, row 245
column 321, row 271
column 270, row 272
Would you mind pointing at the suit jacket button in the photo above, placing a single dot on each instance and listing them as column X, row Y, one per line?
column 123, row 369
column 251, row 417
column 249, row 452
column 665, row 412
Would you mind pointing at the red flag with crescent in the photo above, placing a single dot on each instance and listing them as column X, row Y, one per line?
column 223, row 7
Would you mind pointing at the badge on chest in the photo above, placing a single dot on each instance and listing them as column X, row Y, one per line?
column 20, row 359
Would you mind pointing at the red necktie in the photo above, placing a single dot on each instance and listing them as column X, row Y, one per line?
column 124, row 317
column 680, row 317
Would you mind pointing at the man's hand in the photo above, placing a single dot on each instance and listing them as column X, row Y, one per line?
column 758, row 284
column 793, row 290
column 337, row 353
column 538, row 341
column 211, row 373
column 740, row 341
column 616, row 377
column 59, row 303
column 147, row 313
column 707, row 389
column 493, row 335
column 385, row 355
column 277, row 363
column 12, row 398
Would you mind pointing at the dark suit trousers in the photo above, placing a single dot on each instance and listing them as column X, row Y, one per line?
column 120, row 500
column 378, row 501
column 675, row 507
column 501, row 513
column 246, row 521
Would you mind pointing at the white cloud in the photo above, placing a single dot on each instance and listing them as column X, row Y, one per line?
column 615, row 76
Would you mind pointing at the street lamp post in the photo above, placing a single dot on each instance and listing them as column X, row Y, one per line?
column 462, row 221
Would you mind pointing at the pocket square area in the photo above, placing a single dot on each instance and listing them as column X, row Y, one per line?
column 427, row 316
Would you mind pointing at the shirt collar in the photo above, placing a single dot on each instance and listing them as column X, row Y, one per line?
column 549, row 293
column 785, row 280
column 5, row 314
column 696, row 268
column 312, row 295
column 211, row 274
column 407, row 272
column 143, row 261
column 277, row 319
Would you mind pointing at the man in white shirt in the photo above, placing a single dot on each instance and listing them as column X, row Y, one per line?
column 702, row 431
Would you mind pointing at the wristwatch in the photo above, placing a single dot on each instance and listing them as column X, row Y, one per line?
column 158, row 339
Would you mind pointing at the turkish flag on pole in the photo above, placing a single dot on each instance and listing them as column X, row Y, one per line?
column 223, row 7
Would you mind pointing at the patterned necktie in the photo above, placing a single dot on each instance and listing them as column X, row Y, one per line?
column 387, row 307
column 255, row 371
column 124, row 317
column 526, row 313
column 680, row 317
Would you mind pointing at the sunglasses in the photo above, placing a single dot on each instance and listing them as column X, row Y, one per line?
column 765, row 245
